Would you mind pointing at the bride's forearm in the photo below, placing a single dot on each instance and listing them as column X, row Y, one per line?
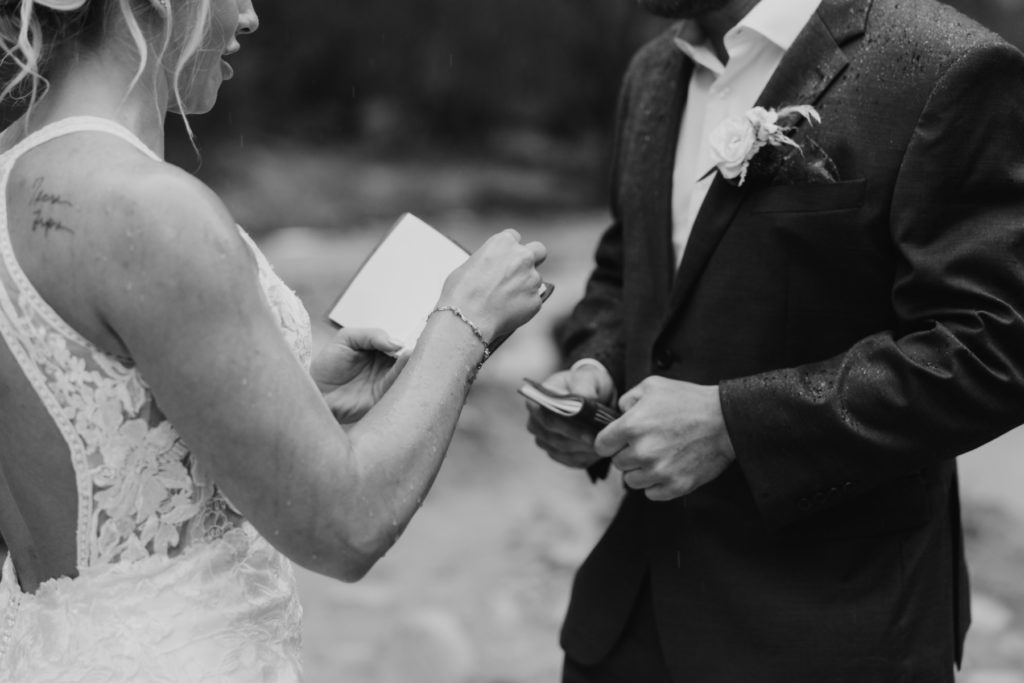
column 398, row 447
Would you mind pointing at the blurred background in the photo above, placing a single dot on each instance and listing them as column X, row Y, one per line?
column 479, row 116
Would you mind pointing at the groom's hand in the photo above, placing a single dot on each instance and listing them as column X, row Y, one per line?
column 671, row 439
column 564, row 441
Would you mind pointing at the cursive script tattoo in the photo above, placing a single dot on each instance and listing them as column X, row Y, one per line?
column 43, row 205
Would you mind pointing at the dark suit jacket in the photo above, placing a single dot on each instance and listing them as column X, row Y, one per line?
column 863, row 334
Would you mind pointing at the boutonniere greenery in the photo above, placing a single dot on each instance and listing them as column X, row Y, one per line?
column 758, row 143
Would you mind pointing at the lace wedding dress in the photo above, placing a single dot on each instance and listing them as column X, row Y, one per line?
column 172, row 585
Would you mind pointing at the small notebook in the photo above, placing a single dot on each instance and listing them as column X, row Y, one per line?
column 583, row 411
column 399, row 284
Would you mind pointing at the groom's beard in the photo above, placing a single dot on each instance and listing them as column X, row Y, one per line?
column 681, row 9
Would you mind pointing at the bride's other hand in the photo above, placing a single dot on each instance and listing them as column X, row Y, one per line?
column 499, row 287
column 353, row 370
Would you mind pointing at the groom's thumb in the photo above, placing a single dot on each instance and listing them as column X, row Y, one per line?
column 583, row 383
column 588, row 380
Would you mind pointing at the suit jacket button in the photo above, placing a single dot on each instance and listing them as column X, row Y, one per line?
column 804, row 504
column 663, row 360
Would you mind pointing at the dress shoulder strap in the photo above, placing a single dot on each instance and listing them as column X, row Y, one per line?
column 76, row 124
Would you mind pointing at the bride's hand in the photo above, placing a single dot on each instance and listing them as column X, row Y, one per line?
column 353, row 371
column 499, row 287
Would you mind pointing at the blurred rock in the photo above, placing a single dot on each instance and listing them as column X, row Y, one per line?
column 994, row 676
column 363, row 595
column 988, row 615
column 1011, row 646
column 567, row 555
column 426, row 646
column 507, row 610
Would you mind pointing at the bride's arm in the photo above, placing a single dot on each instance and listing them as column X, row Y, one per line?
column 180, row 289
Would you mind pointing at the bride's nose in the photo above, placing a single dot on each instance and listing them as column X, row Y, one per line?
column 248, row 20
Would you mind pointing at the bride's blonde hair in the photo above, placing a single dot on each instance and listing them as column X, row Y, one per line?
column 32, row 30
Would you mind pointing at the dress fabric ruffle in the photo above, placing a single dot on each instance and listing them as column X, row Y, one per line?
column 224, row 611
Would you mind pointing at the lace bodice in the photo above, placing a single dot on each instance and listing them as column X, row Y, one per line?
column 141, row 493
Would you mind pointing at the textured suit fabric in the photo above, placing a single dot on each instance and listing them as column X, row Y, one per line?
column 863, row 333
column 636, row 656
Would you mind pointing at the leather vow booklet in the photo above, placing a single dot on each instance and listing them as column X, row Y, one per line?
column 579, row 410
column 400, row 282
column 585, row 412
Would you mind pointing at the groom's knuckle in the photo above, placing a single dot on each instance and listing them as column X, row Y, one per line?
column 631, row 425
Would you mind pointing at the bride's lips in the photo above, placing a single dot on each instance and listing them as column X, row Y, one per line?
column 226, row 69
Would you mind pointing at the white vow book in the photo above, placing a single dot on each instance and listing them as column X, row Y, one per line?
column 399, row 284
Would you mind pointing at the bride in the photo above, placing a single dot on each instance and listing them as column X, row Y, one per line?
column 163, row 447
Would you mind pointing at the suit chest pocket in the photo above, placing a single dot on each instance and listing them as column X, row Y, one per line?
column 809, row 198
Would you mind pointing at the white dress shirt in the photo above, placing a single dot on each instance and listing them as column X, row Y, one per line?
column 756, row 46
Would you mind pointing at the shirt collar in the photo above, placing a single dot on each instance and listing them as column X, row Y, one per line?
column 780, row 21
column 777, row 21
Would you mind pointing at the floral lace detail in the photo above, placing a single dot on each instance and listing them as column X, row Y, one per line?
column 291, row 314
column 137, row 494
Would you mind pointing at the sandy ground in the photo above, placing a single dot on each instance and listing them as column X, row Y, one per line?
column 477, row 587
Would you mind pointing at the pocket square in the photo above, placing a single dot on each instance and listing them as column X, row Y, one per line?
column 807, row 165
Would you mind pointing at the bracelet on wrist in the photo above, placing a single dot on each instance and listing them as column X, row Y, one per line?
column 454, row 310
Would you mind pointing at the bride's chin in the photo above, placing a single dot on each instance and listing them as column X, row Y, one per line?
column 193, row 106
column 198, row 97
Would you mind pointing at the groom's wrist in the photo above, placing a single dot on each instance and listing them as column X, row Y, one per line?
column 725, row 446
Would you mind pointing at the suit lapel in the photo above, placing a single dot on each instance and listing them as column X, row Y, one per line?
column 811, row 64
column 661, row 107
column 816, row 57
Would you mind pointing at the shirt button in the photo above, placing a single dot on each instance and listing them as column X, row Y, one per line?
column 663, row 360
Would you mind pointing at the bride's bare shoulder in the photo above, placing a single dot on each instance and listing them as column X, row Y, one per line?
column 147, row 199
column 143, row 214
column 139, row 228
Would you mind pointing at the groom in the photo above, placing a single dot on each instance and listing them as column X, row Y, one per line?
column 803, row 354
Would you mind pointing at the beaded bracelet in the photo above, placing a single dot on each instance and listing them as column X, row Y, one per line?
column 454, row 310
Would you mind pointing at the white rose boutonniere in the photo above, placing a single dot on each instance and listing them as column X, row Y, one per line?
column 737, row 140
